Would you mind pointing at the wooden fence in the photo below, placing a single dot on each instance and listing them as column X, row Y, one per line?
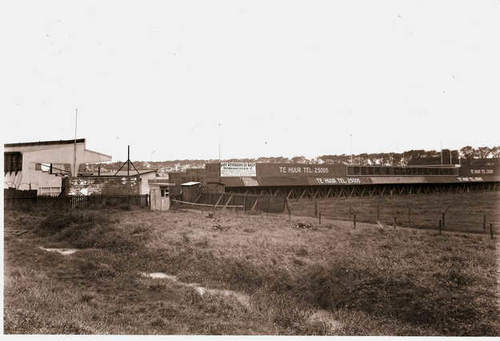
column 27, row 201
column 246, row 202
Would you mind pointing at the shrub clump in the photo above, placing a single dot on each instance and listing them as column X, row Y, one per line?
column 446, row 309
column 88, row 229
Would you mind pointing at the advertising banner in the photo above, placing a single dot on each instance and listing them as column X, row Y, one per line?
column 237, row 169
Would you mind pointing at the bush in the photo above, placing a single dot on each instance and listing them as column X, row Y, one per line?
column 346, row 285
column 88, row 229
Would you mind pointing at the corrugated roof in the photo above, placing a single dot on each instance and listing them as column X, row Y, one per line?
column 190, row 183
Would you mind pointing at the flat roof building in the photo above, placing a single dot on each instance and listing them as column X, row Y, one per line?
column 42, row 165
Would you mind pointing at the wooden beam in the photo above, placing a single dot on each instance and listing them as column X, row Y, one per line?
column 341, row 191
column 352, row 191
column 218, row 201
column 228, row 200
column 329, row 191
column 255, row 204
column 315, row 193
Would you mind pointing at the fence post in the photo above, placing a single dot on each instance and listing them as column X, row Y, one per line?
column 491, row 230
column 409, row 216
column 354, row 220
column 484, row 222
column 287, row 205
column 442, row 217
column 319, row 218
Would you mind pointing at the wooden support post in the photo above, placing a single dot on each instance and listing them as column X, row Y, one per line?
column 491, row 230
column 354, row 220
column 287, row 206
column 319, row 218
column 218, row 201
column 442, row 218
column 341, row 193
column 378, row 211
column 255, row 204
column 439, row 226
column 316, row 211
column 394, row 223
column 228, row 200
column 409, row 216
column 484, row 222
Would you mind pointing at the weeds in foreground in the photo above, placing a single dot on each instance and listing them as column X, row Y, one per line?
column 452, row 300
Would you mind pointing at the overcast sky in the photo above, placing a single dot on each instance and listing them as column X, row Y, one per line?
column 283, row 78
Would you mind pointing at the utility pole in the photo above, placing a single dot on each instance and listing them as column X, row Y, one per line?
column 74, row 144
column 350, row 136
column 219, row 125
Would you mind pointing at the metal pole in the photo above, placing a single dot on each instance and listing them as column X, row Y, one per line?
column 74, row 145
column 218, row 124
column 350, row 135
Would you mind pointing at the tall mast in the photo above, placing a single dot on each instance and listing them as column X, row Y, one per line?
column 74, row 145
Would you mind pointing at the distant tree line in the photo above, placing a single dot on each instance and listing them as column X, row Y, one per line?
column 388, row 159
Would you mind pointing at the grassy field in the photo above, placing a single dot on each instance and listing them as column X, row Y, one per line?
column 316, row 280
column 463, row 211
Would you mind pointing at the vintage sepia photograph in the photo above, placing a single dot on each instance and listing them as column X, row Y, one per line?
column 250, row 168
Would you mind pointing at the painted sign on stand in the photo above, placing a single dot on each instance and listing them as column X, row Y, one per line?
column 338, row 181
column 237, row 169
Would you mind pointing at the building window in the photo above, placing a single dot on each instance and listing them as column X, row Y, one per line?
column 13, row 162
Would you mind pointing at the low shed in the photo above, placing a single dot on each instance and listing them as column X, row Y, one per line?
column 190, row 190
column 159, row 193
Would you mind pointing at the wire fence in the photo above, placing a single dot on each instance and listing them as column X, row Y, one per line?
column 467, row 212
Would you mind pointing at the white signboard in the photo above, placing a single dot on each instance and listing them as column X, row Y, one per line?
column 237, row 169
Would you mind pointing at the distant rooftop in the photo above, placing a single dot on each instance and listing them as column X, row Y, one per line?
column 132, row 172
column 43, row 143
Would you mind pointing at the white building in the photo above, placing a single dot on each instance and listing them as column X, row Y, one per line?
column 42, row 165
